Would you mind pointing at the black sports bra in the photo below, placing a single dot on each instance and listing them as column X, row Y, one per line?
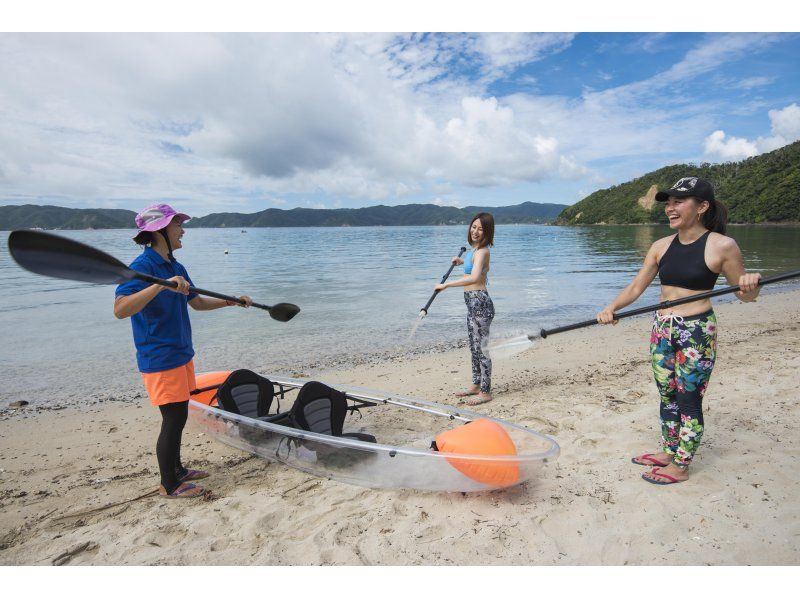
column 685, row 266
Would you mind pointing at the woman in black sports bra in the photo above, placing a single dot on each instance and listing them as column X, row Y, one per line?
column 683, row 339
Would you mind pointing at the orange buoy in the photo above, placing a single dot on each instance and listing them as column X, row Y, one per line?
column 481, row 437
column 213, row 379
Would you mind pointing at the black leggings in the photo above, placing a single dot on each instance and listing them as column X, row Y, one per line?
column 168, row 447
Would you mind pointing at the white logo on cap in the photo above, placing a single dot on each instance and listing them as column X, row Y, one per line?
column 685, row 184
column 152, row 215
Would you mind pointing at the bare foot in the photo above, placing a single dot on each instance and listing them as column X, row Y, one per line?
column 483, row 397
column 658, row 459
column 473, row 390
column 671, row 474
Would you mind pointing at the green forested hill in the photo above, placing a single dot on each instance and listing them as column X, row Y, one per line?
column 413, row 214
column 765, row 188
column 55, row 217
column 377, row 215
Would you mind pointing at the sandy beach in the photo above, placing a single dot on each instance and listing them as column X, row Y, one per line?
column 591, row 390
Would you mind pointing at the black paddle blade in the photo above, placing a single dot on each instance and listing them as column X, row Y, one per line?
column 50, row 255
column 283, row 312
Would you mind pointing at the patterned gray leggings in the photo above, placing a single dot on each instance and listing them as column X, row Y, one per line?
column 480, row 313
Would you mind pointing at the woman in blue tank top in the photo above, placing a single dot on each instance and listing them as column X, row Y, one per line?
column 683, row 339
column 480, row 309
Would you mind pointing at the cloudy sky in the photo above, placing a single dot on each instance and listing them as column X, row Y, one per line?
column 243, row 122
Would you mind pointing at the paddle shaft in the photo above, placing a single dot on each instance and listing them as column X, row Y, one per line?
column 174, row 285
column 445, row 277
column 666, row 304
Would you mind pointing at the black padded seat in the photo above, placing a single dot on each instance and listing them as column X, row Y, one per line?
column 322, row 409
column 246, row 393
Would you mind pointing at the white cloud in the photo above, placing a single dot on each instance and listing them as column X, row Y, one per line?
column 338, row 114
column 785, row 130
column 416, row 59
column 378, row 117
column 409, row 137
column 702, row 59
column 505, row 51
column 486, row 147
column 729, row 148
column 442, row 188
column 752, row 82
column 786, row 122
column 446, row 202
column 652, row 42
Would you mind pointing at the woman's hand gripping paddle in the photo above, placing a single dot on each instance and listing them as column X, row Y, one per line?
column 424, row 311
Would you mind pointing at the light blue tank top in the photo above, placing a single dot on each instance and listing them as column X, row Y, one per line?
column 468, row 264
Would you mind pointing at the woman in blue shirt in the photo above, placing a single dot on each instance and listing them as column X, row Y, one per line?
column 162, row 334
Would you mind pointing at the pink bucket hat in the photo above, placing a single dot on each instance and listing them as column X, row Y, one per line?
column 155, row 217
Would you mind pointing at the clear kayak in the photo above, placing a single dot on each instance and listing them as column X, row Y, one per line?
column 395, row 442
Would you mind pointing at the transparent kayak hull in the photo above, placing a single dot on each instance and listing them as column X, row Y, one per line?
column 402, row 457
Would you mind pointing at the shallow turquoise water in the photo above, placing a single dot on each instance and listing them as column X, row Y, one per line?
column 360, row 290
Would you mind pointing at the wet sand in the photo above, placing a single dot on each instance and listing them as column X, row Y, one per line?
column 590, row 389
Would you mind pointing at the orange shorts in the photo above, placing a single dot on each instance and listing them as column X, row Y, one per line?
column 170, row 386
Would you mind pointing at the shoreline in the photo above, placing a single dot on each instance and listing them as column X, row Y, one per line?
column 590, row 389
column 787, row 223
column 317, row 365
column 131, row 393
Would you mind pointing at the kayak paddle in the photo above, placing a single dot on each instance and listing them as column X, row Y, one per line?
column 424, row 311
column 50, row 255
column 512, row 346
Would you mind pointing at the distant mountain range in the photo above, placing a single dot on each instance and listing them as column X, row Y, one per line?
column 53, row 217
column 764, row 188
column 408, row 215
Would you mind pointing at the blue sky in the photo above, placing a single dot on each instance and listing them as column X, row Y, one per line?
column 244, row 122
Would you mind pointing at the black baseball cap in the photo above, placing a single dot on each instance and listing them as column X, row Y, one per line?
column 689, row 186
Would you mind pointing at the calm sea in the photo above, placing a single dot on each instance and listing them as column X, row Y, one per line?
column 360, row 290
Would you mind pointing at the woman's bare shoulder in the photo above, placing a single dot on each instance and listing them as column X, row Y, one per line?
column 658, row 249
column 663, row 242
column 721, row 240
column 722, row 244
column 667, row 239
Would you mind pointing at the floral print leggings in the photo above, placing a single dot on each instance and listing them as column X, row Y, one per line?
column 480, row 313
column 683, row 350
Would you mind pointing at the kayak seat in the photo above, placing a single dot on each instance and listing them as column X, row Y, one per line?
column 247, row 394
column 322, row 409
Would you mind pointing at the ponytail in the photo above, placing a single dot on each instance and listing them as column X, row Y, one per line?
column 715, row 218
column 144, row 238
